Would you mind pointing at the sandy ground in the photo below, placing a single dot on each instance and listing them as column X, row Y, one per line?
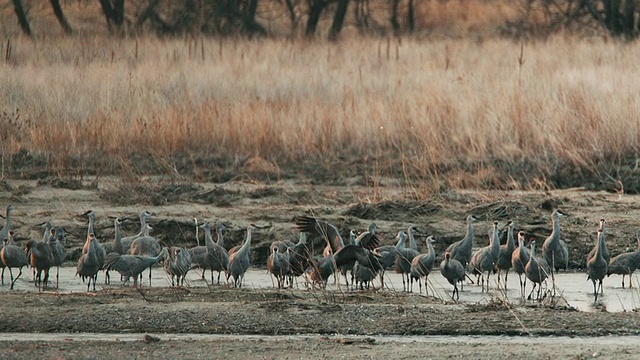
column 268, row 312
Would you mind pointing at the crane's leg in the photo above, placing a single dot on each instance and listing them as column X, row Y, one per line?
column 623, row 280
column 57, row 276
column 10, row 273
column 13, row 281
column 532, row 290
column 506, row 275
column 3, row 274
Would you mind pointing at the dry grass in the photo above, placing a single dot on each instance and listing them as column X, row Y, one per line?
column 444, row 113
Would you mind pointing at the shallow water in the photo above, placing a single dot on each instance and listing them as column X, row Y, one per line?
column 573, row 287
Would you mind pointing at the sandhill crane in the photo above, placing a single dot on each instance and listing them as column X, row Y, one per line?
column 146, row 245
column 461, row 250
column 115, row 246
column 605, row 251
column 537, row 270
column 403, row 259
column 199, row 253
column 178, row 265
column 99, row 249
column 4, row 232
column 39, row 256
column 597, row 266
column 519, row 260
column 127, row 240
column 506, row 252
column 12, row 257
column 216, row 257
column 453, row 271
column 299, row 258
column 56, row 244
column 278, row 264
column 348, row 254
column 387, row 257
column 422, row 264
column 554, row 249
column 88, row 264
column 131, row 266
column 240, row 261
column 331, row 235
column 484, row 259
column 626, row 264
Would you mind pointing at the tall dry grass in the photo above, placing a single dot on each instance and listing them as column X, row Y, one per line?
column 444, row 113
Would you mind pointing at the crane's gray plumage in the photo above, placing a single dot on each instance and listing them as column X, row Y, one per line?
column 178, row 265
column 506, row 253
column 626, row 263
column 39, row 256
column 484, row 260
column 453, row 271
column 240, row 260
column 127, row 240
column 597, row 266
column 131, row 266
column 605, row 251
column 278, row 263
column 537, row 270
column 554, row 249
column 422, row 264
column 99, row 249
column 404, row 258
column 519, row 260
column 12, row 257
column 411, row 233
column 299, row 258
column 145, row 245
column 462, row 250
column 88, row 264
column 56, row 244
column 217, row 259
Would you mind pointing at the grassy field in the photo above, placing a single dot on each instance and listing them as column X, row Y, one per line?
column 447, row 113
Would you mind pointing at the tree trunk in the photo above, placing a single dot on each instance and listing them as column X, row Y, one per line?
column 338, row 19
column 411, row 17
column 628, row 19
column 395, row 25
column 57, row 10
column 314, row 16
column 22, row 17
column 249, row 19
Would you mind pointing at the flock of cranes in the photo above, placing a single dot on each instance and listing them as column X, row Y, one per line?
column 360, row 260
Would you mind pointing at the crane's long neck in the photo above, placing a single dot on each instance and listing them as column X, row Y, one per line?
column 600, row 245
column 495, row 240
column 8, row 216
column 401, row 240
column 220, row 241
column 432, row 252
column 47, row 230
column 533, row 251
column 143, row 222
column 412, row 240
column 208, row 240
column 468, row 238
column 247, row 243
column 92, row 219
column 118, row 236
column 510, row 240
column 555, row 233
column 638, row 239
